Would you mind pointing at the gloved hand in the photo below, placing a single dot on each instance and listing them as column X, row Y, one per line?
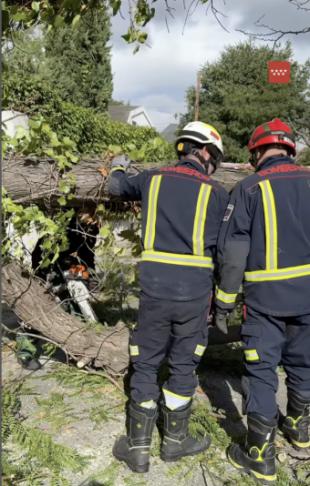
column 221, row 318
column 121, row 161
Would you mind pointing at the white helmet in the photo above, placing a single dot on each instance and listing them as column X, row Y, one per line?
column 203, row 134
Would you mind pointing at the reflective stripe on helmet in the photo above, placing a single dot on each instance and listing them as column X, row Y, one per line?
column 202, row 133
column 273, row 132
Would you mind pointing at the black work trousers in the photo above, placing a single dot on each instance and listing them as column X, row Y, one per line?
column 268, row 342
column 167, row 329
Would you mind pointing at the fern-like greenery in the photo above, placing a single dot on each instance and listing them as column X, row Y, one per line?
column 55, row 411
column 40, row 457
column 71, row 377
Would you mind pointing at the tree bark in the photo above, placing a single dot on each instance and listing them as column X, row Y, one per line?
column 26, row 296
column 32, row 179
column 36, row 180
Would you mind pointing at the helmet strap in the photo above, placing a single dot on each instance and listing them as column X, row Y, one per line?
column 254, row 159
column 201, row 159
column 215, row 156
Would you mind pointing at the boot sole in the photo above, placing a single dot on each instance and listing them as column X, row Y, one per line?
column 177, row 457
column 261, row 478
column 133, row 467
column 299, row 446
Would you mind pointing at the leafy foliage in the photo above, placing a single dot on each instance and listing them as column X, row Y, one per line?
column 57, row 14
column 304, row 156
column 96, row 133
column 55, row 411
column 120, row 278
column 43, row 141
column 91, row 132
column 236, row 96
column 73, row 378
column 24, row 218
column 78, row 60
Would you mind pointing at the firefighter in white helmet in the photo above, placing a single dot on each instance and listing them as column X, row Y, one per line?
column 182, row 209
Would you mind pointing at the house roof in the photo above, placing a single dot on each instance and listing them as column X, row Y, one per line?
column 120, row 112
column 169, row 133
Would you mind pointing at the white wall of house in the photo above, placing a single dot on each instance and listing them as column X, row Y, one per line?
column 11, row 120
column 138, row 116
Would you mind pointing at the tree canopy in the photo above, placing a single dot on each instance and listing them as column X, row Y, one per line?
column 236, row 96
column 78, row 61
column 20, row 15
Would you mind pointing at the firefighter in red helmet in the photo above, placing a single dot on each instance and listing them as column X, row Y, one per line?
column 265, row 244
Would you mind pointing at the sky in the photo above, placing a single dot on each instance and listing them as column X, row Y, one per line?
column 158, row 76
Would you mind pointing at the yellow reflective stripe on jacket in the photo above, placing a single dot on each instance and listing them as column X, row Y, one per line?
column 272, row 272
column 224, row 297
column 152, row 212
column 278, row 274
column 200, row 219
column 200, row 349
column 133, row 350
column 271, row 227
column 177, row 259
column 251, row 355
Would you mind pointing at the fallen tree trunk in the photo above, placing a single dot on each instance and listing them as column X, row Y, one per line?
column 29, row 300
column 38, row 310
column 35, row 180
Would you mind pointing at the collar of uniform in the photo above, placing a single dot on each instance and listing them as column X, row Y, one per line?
column 274, row 161
column 192, row 164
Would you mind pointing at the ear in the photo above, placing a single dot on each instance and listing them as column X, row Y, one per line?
column 205, row 153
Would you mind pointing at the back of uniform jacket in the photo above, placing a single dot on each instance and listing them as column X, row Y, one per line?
column 267, row 228
column 182, row 209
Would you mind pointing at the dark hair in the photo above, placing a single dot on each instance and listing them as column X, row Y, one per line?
column 279, row 146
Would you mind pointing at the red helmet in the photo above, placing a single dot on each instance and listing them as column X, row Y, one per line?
column 274, row 131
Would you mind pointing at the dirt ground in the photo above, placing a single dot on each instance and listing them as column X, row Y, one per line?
column 86, row 413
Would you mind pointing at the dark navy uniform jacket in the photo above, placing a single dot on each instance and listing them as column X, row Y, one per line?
column 265, row 240
column 182, row 209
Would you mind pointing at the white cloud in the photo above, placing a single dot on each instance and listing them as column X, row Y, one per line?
column 158, row 77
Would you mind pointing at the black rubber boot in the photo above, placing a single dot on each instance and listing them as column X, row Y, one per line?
column 27, row 353
column 257, row 456
column 28, row 362
column 295, row 425
column 177, row 442
column 134, row 449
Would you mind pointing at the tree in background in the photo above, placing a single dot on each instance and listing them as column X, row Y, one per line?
column 18, row 15
column 235, row 94
column 78, row 60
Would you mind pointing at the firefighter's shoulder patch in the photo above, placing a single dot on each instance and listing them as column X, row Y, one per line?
column 228, row 212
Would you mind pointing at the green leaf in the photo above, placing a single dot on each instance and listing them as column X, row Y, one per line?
column 76, row 20
column 35, row 6
column 49, row 152
column 62, row 201
column 116, row 5
column 105, row 231
column 58, row 21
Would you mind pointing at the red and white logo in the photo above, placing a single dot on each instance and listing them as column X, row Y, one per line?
column 279, row 72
